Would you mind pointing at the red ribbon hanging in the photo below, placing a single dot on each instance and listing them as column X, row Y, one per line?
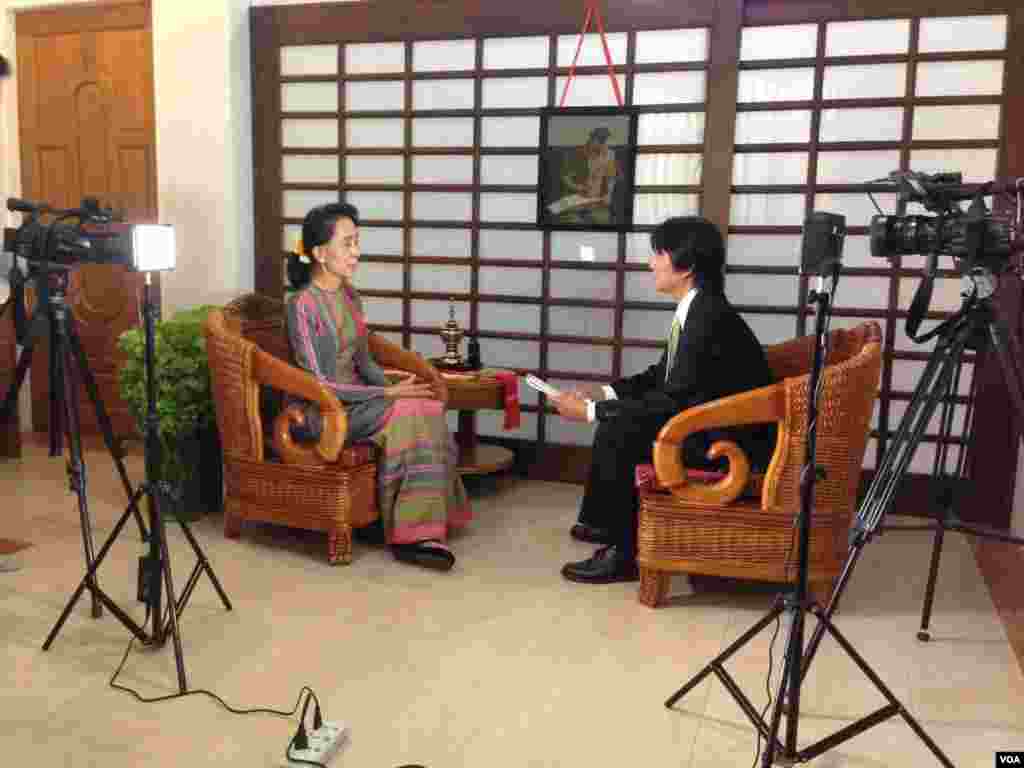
column 592, row 10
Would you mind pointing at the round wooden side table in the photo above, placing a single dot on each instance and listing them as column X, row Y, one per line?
column 468, row 394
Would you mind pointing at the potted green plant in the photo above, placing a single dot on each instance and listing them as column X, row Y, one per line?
column 191, row 458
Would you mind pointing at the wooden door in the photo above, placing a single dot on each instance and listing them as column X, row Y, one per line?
column 85, row 84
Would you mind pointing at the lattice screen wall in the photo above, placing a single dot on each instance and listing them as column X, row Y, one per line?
column 436, row 142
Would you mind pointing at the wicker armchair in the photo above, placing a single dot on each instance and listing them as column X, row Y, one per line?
column 323, row 485
column 742, row 525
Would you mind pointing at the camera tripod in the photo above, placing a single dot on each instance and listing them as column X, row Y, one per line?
column 797, row 605
column 154, row 568
column 67, row 361
column 977, row 324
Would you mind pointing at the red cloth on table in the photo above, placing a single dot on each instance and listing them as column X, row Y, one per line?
column 510, row 382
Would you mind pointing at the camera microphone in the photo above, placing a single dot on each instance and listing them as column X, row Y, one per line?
column 17, row 205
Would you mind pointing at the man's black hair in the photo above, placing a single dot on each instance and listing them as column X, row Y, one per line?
column 694, row 243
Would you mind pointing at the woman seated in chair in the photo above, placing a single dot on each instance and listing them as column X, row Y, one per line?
column 420, row 494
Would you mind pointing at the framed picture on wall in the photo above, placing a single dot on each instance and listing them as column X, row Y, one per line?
column 586, row 169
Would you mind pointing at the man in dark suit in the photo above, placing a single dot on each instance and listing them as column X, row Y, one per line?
column 711, row 353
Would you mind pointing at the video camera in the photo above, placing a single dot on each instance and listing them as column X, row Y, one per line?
column 973, row 237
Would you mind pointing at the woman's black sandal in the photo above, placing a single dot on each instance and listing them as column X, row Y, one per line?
column 429, row 554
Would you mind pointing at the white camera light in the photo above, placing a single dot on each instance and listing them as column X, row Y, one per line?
column 153, row 247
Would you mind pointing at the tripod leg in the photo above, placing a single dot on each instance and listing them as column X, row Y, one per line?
column 103, row 418
column 772, row 747
column 202, row 564
column 157, row 522
column 929, row 593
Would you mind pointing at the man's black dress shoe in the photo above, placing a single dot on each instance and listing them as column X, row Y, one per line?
column 605, row 567
column 589, row 533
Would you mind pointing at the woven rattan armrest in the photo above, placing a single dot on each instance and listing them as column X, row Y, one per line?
column 759, row 406
column 273, row 372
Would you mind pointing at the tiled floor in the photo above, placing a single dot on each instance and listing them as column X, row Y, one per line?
column 499, row 663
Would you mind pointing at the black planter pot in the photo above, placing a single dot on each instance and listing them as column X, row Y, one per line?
column 211, row 471
column 199, row 481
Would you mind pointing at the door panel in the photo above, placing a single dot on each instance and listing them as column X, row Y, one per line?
column 87, row 130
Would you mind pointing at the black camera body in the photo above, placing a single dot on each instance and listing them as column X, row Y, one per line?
column 972, row 237
column 96, row 236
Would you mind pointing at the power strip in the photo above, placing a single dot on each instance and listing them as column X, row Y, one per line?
column 324, row 743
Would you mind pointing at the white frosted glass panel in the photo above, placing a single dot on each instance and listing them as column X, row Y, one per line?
column 771, row 329
column 959, row 78
column 449, row 243
column 638, row 247
column 509, row 281
column 508, row 169
column 590, row 90
column 377, row 205
column 374, row 58
column 430, row 345
column 907, row 373
column 968, row 121
column 656, row 169
column 769, row 168
column 580, row 357
column 375, row 132
column 878, row 124
column 442, row 206
column 510, row 353
column 380, row 241
column 790, row 84
column 374, row 96
column 562, row 432
column 865, row 81
column 945, row 293
column 580, row 321
column 962, row 33
column 381, row 311
column 443, row 55
column 790, row 41
column 857, row 253
column 761, row 290
column 862, row 293
column 763, row 250
column 514, row 92
column 653, row 208
column 312, row 169
column 309, row 97
column 664, row 46
column 442, row 132
column 640, row 287
column 668, row 87
column 374, row 169
column 638, row 359
column 443, row 94
column 309, row 60
column 440, row 278
column 508, row 207
column 860, row 38
column 309, row 133
column 509, row 131
column 442, row 169
column 670, row 128
column 516, row 53
column 371, row 276
column 856, row 167
column 790, row 126
column 584, row 246
column 583, row 284
column 492, row 423
column 510, row 244
column 653, row 325
column 297, row 202
column 855, row 206
column 767, row 210
column 977, row 165
column 509, row 318
column 290, row 234
column 592, row 51
column 436, row 313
